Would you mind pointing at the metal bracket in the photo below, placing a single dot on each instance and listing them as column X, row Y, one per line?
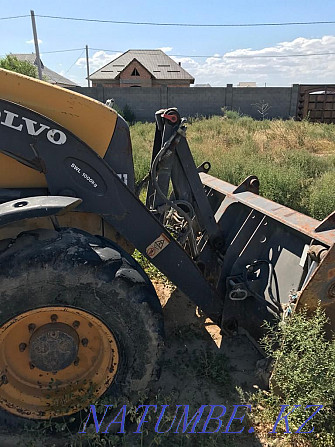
column 32, row 207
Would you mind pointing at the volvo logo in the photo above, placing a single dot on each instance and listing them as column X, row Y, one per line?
column 14, row 121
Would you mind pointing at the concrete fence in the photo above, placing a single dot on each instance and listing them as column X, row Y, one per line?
column 193, row 101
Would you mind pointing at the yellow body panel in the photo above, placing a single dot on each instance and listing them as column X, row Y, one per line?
column 89, row 120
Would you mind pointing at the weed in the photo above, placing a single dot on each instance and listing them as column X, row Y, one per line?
column 150, row 269
column 231, row 114
column 304, row 374
column 212, row 367
column 320, row 202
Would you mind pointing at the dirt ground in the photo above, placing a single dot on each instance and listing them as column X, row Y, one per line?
column 194, row 339
column 199, row 367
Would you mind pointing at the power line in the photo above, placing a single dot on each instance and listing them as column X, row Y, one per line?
column 232, row 57
column 102, row 49
column 75, row 61
column 62, row 51
column 193, row 56
column 219, row 25
column 57, row 51
column 14, row 17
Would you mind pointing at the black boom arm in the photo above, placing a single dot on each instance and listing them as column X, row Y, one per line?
column 73, row 169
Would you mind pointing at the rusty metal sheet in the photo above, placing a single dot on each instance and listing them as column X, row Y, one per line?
column 293, row 219
column 321, row 289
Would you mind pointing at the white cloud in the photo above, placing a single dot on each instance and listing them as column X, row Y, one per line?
column 31, row 41
column 246, row 64
column 166, row 49
column 98, row 60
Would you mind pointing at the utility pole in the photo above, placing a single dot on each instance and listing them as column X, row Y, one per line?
column 87, row 67
column 37, row 51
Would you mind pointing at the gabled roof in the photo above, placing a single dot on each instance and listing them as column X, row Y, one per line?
column 119, row 73
column 159, row 64
column 51, row 76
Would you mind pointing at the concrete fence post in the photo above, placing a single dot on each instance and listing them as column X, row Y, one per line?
column 229, row 97
column 294, row 100
column 100, row 94
column 164, row 97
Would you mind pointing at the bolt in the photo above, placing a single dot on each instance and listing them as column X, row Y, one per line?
column 76, row 324
column 254, row 183
column 84, row 341
column 76, row 362
column 4, row 379
column 31, row 365
column 31, row 327
column 54, row 317
column 22, row 347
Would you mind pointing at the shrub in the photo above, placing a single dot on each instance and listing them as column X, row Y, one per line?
column 231, row 114
column 118, row 109
column 304, row 374
column 128, row 114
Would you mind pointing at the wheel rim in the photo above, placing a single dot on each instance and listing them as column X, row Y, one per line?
column 54, row 361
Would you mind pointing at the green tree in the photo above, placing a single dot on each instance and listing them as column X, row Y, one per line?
column 12, row 63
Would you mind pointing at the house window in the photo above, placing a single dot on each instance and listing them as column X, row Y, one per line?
column 135, row 72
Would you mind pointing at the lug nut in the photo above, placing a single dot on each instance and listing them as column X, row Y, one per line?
column 54, row 317
column 31, row 327
column 84, row 341
column 22, row 347
column 4, row 379
column 76, row 324
column 76, row 362
column 31, row 365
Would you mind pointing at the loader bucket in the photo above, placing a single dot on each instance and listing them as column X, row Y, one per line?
column 276, row 260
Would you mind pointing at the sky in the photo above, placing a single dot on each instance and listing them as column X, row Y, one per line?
column 229, row 55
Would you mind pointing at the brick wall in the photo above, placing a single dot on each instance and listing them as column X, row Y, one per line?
column 127, row 80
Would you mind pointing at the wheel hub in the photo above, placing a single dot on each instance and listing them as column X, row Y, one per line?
column 53, row 346
column 55, row 361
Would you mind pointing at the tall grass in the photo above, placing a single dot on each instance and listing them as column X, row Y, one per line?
column 295, row 161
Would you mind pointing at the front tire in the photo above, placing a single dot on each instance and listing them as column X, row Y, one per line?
column 72, row 303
